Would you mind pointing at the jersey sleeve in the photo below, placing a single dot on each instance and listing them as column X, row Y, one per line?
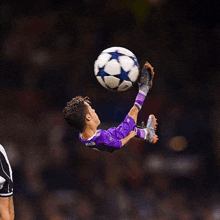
column 6, row 179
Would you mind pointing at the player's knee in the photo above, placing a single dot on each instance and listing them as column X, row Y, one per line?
column 133, row 113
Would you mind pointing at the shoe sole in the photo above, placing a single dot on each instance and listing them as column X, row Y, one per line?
column 152, row 73
column 155, row 128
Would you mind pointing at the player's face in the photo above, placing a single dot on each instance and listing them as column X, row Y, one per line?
column 93, row 114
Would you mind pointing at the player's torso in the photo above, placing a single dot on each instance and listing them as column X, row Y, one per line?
column 102, row 140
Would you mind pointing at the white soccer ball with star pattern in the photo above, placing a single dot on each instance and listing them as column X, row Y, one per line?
column 116, row 69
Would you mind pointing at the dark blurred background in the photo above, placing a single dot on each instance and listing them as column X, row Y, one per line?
column 48, row 49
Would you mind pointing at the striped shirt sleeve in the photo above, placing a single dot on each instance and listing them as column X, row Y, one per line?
column 6, row 179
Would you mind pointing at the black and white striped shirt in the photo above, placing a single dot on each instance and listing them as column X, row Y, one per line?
column 6, row 179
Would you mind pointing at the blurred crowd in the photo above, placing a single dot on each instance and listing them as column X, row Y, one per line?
column 48, row 49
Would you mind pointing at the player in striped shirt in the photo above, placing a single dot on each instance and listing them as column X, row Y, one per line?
column 6, row 187
column 79, row 114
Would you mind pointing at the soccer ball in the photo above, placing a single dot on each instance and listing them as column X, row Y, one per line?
column 116, row 69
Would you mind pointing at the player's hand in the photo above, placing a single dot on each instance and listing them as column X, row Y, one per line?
column 132, row 134
column 126, row 139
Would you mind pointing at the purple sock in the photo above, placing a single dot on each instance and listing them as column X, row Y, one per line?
column 141, row 133
column 139, row 101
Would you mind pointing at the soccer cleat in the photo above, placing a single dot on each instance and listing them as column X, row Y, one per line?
column 146, row 79
column 151, row 129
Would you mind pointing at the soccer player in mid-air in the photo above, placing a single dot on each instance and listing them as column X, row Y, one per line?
column 79, row 114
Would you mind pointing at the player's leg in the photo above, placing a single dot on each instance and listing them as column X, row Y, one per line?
column 149, row 132
column 145, row 83
column 133, row 113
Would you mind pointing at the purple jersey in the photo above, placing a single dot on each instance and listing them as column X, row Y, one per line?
column 110, row 140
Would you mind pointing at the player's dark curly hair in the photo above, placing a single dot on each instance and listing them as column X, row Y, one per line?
column 75, row 112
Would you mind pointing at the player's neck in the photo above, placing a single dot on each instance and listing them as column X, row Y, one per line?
column 88, row 133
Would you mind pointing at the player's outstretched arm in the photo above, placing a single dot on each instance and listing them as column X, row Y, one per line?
column 6, row 208
column 126, row 139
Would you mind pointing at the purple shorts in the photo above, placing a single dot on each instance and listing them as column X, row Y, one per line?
column 124, row 128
